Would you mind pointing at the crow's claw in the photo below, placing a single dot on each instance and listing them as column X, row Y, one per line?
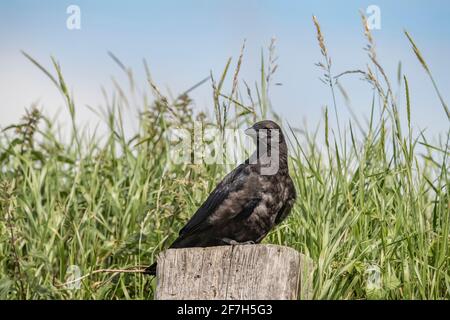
column 235, row 243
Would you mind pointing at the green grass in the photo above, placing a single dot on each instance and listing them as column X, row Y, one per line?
column 376, row 199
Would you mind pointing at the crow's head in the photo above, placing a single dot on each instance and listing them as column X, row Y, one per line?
column 270, row 143
column 264, row 129
column 268, row 134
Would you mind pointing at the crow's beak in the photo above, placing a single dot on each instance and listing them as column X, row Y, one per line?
column 250, row 132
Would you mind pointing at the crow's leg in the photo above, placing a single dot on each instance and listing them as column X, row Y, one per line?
column 234, row 242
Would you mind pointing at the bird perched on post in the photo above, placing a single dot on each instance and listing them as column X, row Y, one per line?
column 249, row 202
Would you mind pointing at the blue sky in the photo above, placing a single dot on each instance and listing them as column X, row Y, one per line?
column 183, row 40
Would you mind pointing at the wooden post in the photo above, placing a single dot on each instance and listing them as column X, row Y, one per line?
column 234, row 272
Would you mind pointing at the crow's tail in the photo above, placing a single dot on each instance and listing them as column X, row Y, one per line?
column 151, row 270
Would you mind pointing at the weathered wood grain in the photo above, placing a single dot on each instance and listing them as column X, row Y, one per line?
column 234, row 272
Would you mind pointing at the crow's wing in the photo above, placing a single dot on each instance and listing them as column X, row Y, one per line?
column 286, row 209
column 232, row 182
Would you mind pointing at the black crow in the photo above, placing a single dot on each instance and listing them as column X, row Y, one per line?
column 250, row 201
